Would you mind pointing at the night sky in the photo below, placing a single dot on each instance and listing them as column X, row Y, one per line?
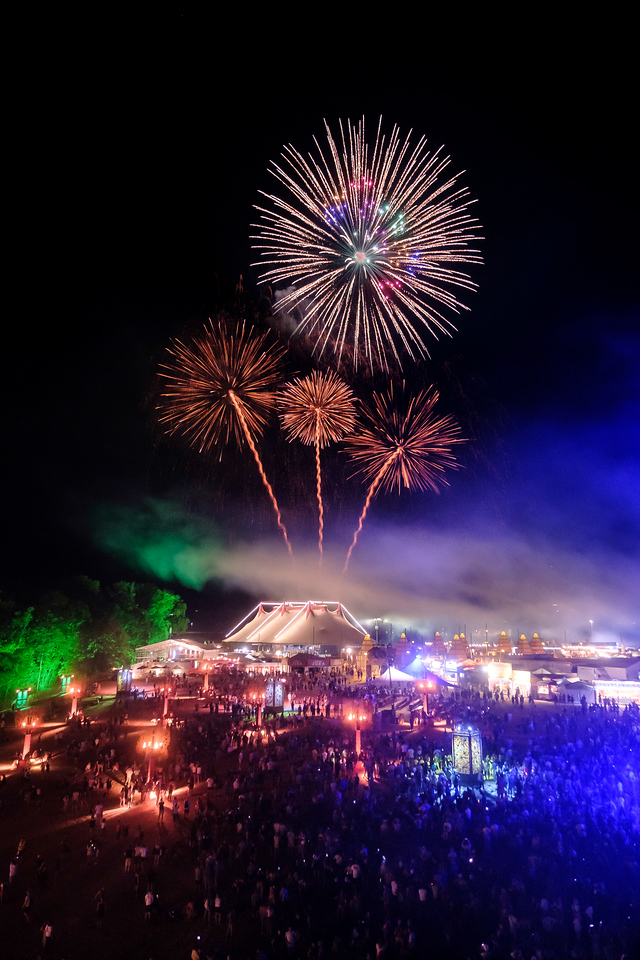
column 135, row 167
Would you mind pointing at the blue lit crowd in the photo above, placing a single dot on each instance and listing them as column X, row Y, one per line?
column 317, row 861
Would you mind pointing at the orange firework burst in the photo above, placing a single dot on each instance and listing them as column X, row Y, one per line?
column 319, row 410
column 223, row 366
column 222, row 384
column 403, row 445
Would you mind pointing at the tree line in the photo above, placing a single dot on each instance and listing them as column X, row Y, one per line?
column 85, row 630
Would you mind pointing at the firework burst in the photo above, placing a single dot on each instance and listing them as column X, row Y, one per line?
column 402, row 444
column 318, row 410
column 372, row 241
column 222, row 385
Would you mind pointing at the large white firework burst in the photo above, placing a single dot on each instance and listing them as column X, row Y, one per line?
column 369, row 242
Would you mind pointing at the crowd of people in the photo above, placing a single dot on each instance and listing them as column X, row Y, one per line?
column 282, row 843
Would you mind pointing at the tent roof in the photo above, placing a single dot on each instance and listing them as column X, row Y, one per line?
column 416, row 668
column 294, row 623
column 394, row 674
column 435, row 679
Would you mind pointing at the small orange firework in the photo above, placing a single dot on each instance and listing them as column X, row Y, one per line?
column 220, row 385
column 403, row 445
column 222, row 369
column 319, row 410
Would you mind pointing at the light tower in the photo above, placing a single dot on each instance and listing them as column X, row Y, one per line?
column 26, row 746
column 466, row 751
column 74, row 691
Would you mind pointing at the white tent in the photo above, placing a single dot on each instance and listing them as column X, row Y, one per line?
column 393, row 675
column 309, row 623
column 577, row 689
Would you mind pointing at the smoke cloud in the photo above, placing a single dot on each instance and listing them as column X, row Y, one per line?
column 160, row 538
column 413, row 576
column 547, row 540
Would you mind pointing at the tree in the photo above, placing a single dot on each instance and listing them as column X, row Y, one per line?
column 55, row 637
column 14, row 646
column 147, row 614
column 89, row 629
column 166, row 616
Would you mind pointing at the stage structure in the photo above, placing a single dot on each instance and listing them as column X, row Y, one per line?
column 289, row 627
column 466, row 750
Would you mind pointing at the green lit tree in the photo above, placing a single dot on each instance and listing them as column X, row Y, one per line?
column 14, row 649
column 88, row 630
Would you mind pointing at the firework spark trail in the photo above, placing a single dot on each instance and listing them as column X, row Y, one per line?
column 371, row 240
column 370, row 494
column 254, row 451
column 402, row 444
column 319, row 487
column 318, row 410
